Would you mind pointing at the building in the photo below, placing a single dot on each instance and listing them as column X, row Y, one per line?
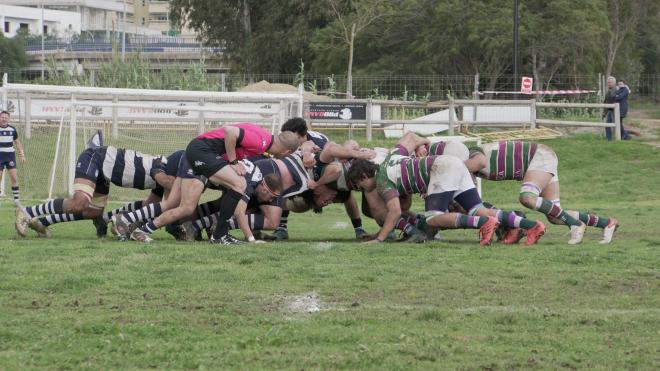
column 16, row 19
column 155, row 14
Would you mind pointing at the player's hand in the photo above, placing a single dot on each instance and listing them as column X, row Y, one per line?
column 308, row 160
column 311, row 184
column 421, row 151
column 157, row 166
column 22, row 158
column 239, row 168
column 368, row 154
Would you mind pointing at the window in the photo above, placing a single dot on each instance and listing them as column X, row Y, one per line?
column 143, row 20
column 23, row 27
column 7, row 28
column 45, row 30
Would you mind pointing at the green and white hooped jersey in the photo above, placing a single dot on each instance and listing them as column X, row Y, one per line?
column 507, row 160
column 402, row 174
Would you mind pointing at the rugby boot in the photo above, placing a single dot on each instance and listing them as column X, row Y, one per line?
column 22, row 222
column 141, row 236
column 577, row 233
column 487, row 231
column 534, row 234
column 42, row 230
column 101, row 226
column 608, row 232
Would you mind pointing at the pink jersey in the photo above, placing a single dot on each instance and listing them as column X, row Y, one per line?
column 253, row 140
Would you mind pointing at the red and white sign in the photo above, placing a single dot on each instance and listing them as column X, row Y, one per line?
column 526, row 85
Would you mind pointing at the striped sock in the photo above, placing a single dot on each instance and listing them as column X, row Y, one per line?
column 205, row 222
column 55, row 206
column 554, row 210
column 284, row 219
column 509, row 219
column 255, row 222
column 148, row 212
column 129, row 207
column 15, row 193
column 149, row 227
column 60, row 218
column 594, row 220
column 468, row 221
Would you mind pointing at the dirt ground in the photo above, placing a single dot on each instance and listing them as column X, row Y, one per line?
column 647, row 120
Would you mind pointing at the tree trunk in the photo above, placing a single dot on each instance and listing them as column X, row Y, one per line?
column 349, row 75
column 247, row 28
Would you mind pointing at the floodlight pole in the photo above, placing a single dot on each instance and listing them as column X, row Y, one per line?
column 515, row 44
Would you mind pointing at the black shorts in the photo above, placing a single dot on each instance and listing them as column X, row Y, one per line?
column 90, row 167
column 204, row 159
column 7, row 160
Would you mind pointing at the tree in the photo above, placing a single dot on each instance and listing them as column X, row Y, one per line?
column 256, row 36
column 12, row 54
column 624, row 16
column 351, row 18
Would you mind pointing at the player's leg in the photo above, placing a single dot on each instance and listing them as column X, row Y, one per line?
column 353, row 213
column 539, row 192
column 607, row 224
column 13, row 178
column 153, row 207
column 514, row 225
column 191, row 192
column 235, row 186
column 451, row 180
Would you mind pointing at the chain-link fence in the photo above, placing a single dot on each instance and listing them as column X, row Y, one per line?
column 407, row 88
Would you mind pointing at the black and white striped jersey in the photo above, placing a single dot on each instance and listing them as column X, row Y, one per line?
column 128, row 168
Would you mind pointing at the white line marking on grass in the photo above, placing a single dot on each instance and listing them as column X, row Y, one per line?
column 340, row 225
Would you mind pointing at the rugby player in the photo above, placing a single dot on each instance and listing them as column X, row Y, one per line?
column 537, row 166
column 10, row 145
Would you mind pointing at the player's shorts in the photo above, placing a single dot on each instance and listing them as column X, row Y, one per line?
column 545, row 160
column 449, row 174
column 90, row 167
column 7, row 160
column 204, row 159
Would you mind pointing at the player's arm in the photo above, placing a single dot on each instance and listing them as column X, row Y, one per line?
column 330, row 174
column 333, row 151
column 308, row 149
column 241, row 217
column 20, row 150
column 231, row 138
column 158, row 173
column 393, row 213
column 411, row 141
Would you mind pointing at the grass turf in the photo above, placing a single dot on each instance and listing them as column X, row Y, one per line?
column 324, row 301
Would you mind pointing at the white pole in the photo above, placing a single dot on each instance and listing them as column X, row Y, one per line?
column 57, row 151
column 3, row 101
column 43, row 56
column 72, row 145
column 123, row 35
column 301, row 99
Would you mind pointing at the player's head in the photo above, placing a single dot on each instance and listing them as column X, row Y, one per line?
column 284, row 144
column 269, row 188
column 476, row 160
column 4, row 118
column 362, row 175
column 611, row 82
column 298, row 126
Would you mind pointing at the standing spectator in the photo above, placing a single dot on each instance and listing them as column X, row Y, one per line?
column 623, row 90
column 9, row 145
column 608, row 114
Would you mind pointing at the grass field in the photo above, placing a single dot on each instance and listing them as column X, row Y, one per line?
column 322, row 301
